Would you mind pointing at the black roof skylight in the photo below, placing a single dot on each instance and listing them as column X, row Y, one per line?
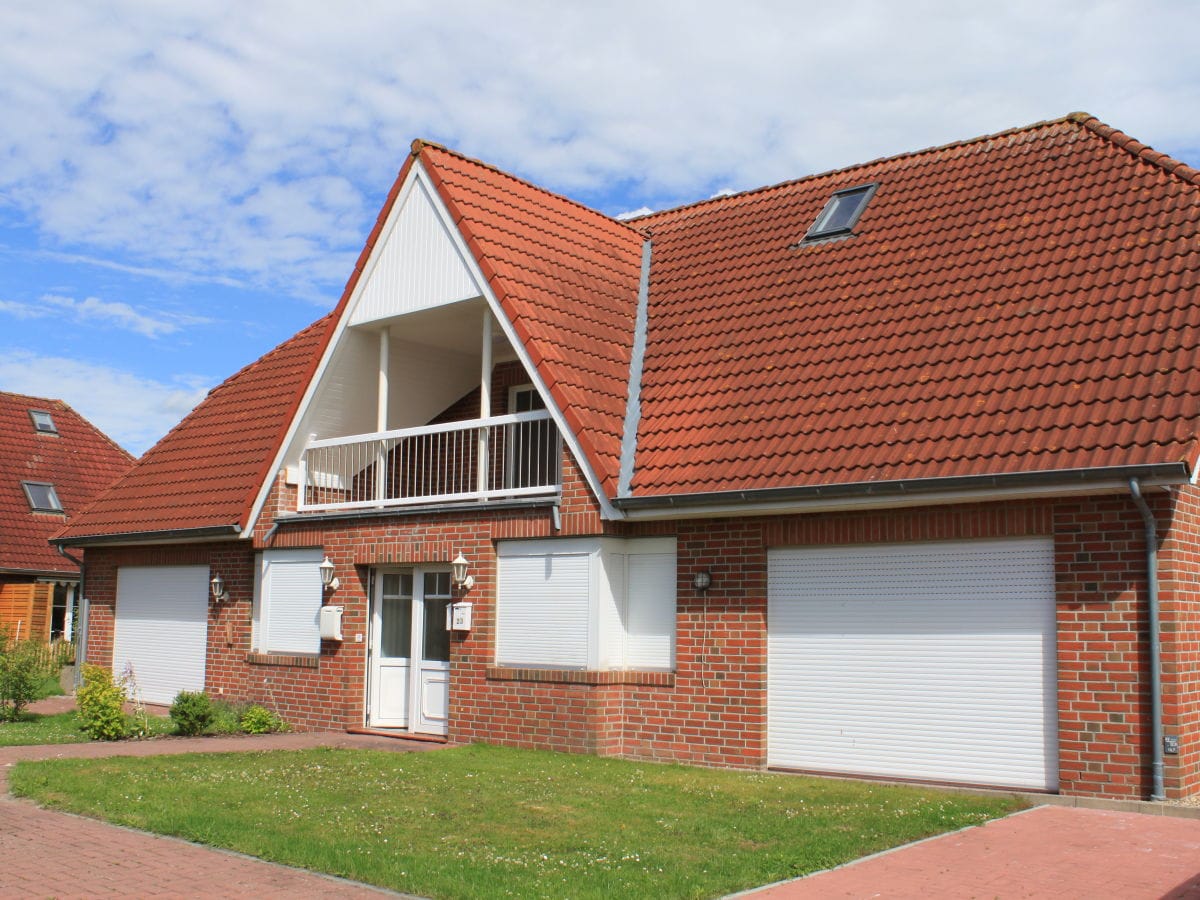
column 43, row 421
column 840, row 213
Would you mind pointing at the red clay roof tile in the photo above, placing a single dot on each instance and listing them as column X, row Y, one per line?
column 206, row 471
column 80, row 461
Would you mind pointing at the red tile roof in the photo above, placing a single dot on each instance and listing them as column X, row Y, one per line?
column 567, row 278
column 80, row 461
column 207, row 470
column 1022, row 302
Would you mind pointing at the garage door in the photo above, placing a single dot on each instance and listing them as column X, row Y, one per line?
column 930, row 661
column 161, row 629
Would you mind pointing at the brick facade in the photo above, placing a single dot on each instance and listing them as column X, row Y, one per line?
column 712, row 708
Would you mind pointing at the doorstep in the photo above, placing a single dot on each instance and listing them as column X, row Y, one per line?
column 400, row 735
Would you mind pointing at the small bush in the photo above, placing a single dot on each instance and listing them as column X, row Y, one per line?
column 260, row 720
column 192, row 712
column 21, row 674
column 226, row 718
column 100, row 702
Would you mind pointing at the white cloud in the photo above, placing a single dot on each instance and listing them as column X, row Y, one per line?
column 634, row 213
column 253, row 141
column 106, row 312
column 134, row 411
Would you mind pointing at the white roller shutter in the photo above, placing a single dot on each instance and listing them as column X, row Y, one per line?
column 932, row 661
column 543, row 609
column 288, row 602
column 161, row 629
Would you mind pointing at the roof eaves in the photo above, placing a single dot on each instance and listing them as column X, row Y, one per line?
column 1168, row 473
column 172, row 535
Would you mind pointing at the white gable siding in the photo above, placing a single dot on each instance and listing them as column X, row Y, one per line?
column 417, row 265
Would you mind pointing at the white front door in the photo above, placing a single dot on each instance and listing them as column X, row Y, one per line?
column 410, row 651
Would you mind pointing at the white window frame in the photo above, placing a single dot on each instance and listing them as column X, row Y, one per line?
column 282, row 607
column 591, row 629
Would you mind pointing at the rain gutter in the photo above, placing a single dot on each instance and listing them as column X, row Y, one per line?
column 903, row 491
column 171, row 535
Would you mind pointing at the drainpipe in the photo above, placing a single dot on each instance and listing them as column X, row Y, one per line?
column 1156, row 713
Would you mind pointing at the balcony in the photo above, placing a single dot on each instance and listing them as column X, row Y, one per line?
column 498, row 458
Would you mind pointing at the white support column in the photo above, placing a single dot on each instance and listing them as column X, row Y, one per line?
column 381, row 414
column 485, row 399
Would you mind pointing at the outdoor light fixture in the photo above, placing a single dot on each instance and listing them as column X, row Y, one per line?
column 327, row 579
column 702, row 581
column 458, row 570
column 218, row 588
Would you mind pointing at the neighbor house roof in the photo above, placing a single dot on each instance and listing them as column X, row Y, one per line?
column 71, row 454
column 1025, row 302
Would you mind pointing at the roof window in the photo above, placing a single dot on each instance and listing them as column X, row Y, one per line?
column 840, row 213
column 42, row 497
column 43, row 421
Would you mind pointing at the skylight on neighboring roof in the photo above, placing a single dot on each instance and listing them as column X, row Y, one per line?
column 841, row 212
column 42, row 497
column 43, row 421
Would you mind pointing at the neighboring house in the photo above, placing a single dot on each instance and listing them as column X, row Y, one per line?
column 53, row 463
column 850, row 474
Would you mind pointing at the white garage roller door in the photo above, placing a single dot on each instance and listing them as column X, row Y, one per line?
column 932, row 661
column 161, row 629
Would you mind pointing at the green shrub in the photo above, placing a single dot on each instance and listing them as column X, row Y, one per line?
column 192, row 712
column 260, row 720
column 100, row 702
column 21, row 674
column 226, row 718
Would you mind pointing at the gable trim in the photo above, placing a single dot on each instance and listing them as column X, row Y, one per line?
column 413, row 172
column 633, row 408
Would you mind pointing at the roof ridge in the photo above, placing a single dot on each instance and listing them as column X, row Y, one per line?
column 1075, row 117
column 419, row 145
column 46, row 400
column 1136, row 148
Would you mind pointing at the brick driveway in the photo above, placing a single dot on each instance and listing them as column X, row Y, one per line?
column 1051, row 851
column 1045, row 852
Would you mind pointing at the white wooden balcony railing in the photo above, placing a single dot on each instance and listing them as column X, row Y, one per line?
column 500, row 457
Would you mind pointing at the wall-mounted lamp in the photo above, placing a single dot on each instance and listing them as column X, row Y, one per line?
column 327, row 579
column 217, row 586
column 458, row 570
column 702, row 581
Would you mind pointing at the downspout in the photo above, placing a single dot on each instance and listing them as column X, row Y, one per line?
column 1156, row 713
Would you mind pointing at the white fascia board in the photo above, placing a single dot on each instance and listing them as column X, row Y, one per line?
column 855, row 504
column 607, row 510
column 417, row 173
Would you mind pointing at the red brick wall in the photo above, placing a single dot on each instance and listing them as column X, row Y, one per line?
column 712, row 708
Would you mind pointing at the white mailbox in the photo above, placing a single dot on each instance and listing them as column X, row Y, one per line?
column 331, row 623
column 458, row 617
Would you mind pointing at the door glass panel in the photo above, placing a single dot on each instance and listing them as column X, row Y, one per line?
column 437, row 638
column 435, row 644
column 395, row 640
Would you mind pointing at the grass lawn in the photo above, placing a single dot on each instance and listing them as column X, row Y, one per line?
column 488, row 821
column 35, row 728
column 63, row 728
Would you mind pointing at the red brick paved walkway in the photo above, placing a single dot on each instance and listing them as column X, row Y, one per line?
column 52, row 854
column 1050, row 851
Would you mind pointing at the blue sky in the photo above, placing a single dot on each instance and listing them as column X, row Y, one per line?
column 184, row 186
